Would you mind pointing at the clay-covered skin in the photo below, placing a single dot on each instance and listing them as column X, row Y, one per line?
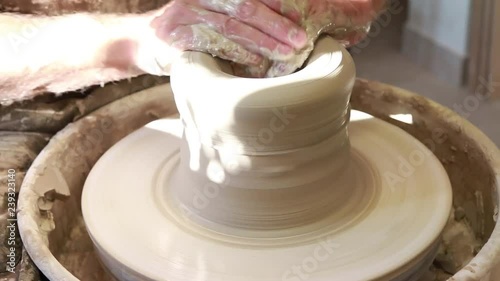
column 114, row 41
column 267, row 37
column 242, row 31
column 346, row 21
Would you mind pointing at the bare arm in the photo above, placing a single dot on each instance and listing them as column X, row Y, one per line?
column 58, row 54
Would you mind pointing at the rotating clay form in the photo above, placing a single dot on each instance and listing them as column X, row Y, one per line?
column 270, row 145
column 266, row 179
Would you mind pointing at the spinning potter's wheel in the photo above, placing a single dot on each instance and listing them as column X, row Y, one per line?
column 278, row 180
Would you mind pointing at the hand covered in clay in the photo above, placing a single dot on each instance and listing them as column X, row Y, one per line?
column 242, row 31
column 348, row 21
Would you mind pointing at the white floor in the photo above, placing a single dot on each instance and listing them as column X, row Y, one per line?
column 381, row 60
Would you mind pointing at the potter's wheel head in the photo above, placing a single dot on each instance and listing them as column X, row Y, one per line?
column 141, row 235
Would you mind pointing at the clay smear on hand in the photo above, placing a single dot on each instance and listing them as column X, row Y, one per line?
column 338, row 19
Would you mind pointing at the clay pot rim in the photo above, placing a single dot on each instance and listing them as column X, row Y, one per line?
column 328, row 58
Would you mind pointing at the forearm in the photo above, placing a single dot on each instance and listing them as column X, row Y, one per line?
column 58, row 54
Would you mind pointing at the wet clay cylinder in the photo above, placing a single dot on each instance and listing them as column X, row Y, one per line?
column 256, row 174
column 265, row 152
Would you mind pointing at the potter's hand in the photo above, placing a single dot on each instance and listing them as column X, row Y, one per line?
column 241, row 31
column 347, row 20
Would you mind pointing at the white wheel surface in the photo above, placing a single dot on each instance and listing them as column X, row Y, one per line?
column 385, row 228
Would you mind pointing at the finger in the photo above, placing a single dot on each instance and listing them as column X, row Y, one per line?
column 259, row 16
column 245, row 35
column 175, row 15
column 204, row 39
column 249, row 37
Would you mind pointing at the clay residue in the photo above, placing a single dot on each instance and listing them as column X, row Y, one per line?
column 459, row 244
column 470, row 170
column 468, row 166
column 79, row 255
column 458, row 247
column 325, row 18
column 70, row 155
